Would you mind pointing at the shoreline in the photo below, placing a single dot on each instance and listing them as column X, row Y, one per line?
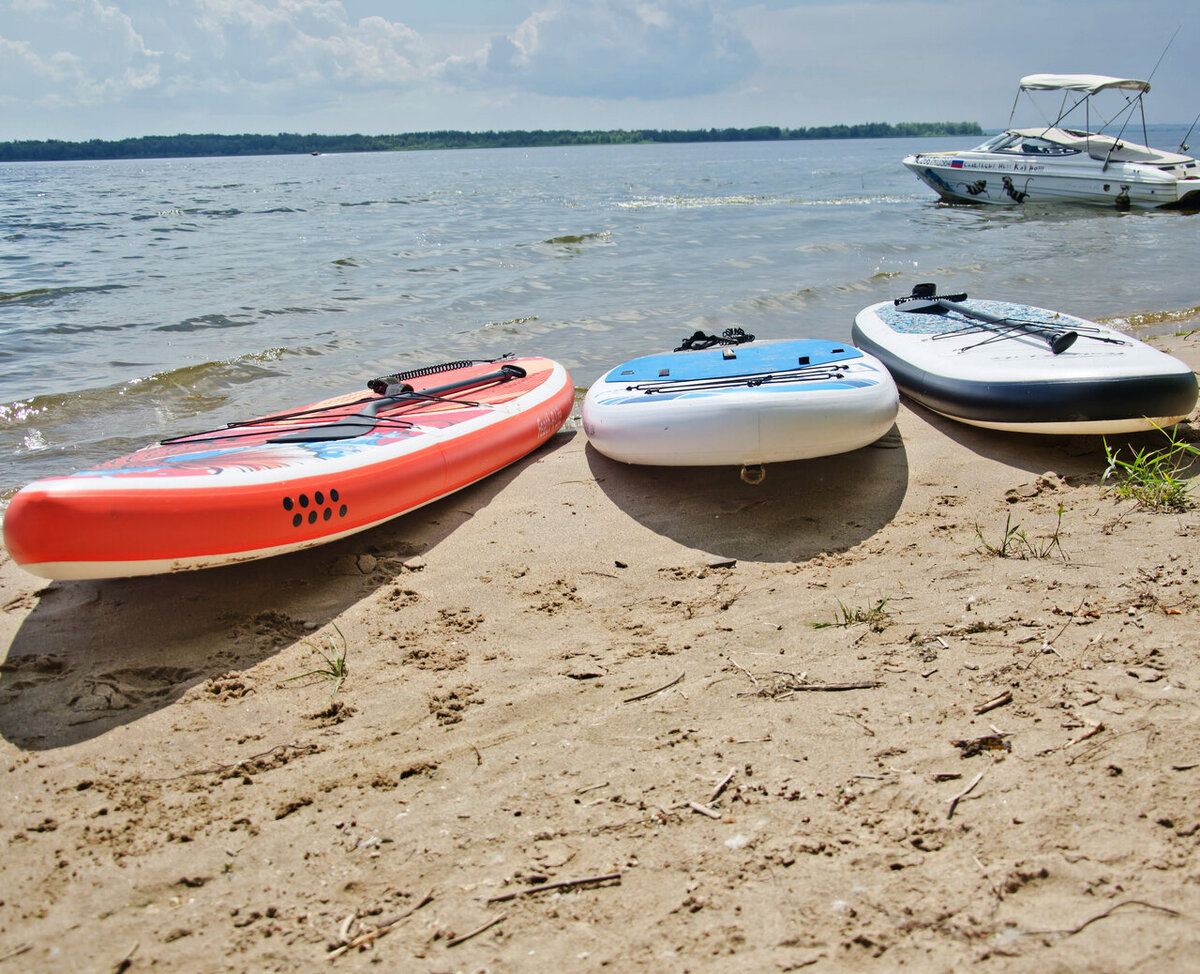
column 588, row 722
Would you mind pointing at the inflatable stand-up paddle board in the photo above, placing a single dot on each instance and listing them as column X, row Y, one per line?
column 730, row 400
column 289, row 480
column 1020, row 368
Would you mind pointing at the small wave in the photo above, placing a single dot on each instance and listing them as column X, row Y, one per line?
column 203, row 322
column 221, row 214
column 512, row 325
column 45, row 295
column 693, row 202
column 298, row 310
column 1154, row 320
column 856, row 200
column 578, row 238
column 185, row 391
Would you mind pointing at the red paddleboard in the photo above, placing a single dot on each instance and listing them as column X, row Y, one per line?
column 290, row 480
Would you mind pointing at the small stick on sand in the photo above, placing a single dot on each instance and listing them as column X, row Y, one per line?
column 1090, row 732
column 832, row 687
column 723, row 785
column 1107, row 913
column 650, row 693
column 127, row 961
column 703, row 810
column 997, row 701
column 744, row 670
column 561, row 884
column 963, row 794
column 363, row 939
column 477, row 931
column 17, row 952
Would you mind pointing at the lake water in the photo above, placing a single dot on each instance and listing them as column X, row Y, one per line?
column 143, row 299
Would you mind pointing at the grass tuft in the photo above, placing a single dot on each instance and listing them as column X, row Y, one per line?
column 333, row 665
column 1015, row 543
column 1153, row 477
column 875, row 616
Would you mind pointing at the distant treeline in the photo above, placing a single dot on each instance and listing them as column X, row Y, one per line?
column 288, row 143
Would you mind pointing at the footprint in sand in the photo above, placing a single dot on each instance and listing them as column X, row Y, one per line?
column 128, row 687
column 25, row 672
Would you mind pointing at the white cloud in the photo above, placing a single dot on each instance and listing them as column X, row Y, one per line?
column 110, row 68
column 95, row 54
column 648, row 49
column 284, row 54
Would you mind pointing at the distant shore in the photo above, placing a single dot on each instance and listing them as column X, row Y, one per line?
column 287, row 143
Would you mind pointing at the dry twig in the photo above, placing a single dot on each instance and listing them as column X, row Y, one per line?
column 1107, row 913
column 963, row 794
column 560, row 884
column 477, row 931
column 650, row 693
column 744, row 670
column 997, row 701
column 723, row 785
column 363, row 939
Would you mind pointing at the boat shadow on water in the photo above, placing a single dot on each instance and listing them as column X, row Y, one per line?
column 802, row 509
column 105, row 653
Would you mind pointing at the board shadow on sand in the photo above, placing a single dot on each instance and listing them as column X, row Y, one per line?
column 1081, row 458
column 94, row 655
column 802, row 509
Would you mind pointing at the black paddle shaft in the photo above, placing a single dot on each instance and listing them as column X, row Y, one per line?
column 367, row 418
column 927, row 298
column 1059, row 341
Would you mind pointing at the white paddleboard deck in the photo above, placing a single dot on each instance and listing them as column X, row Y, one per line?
column 741, row 405
column 1009, row 378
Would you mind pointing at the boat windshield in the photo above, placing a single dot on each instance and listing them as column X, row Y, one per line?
column 995, row 142
column 1023, row 144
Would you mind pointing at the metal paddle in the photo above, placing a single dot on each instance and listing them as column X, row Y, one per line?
column 926, row 299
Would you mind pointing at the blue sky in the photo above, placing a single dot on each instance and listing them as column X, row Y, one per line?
column 79, row 69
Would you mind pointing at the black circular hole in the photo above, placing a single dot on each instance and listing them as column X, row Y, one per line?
column 333, row 494
column 288, row 504
column 327, row 514
column 297, row 520
column 342, row 511
column 304, row 500
column 318, row 498
column 312, row 517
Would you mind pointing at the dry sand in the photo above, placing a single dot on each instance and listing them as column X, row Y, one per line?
column 608, row 678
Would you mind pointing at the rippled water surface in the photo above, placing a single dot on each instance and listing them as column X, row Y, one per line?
column 142, row 299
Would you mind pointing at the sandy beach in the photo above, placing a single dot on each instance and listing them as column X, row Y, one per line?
column 588, row 722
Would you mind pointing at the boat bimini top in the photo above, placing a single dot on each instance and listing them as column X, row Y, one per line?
column 1088, row 83
column 1057, row 138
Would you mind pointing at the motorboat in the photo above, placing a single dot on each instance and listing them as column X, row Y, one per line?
column 1056, row 163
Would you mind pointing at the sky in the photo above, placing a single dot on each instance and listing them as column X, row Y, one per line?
column 109, row 69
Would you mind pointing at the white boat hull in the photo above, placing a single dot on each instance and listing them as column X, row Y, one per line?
column 968, row 177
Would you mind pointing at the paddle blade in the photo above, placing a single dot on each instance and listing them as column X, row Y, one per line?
column 349, row 428
column 1061, row 342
